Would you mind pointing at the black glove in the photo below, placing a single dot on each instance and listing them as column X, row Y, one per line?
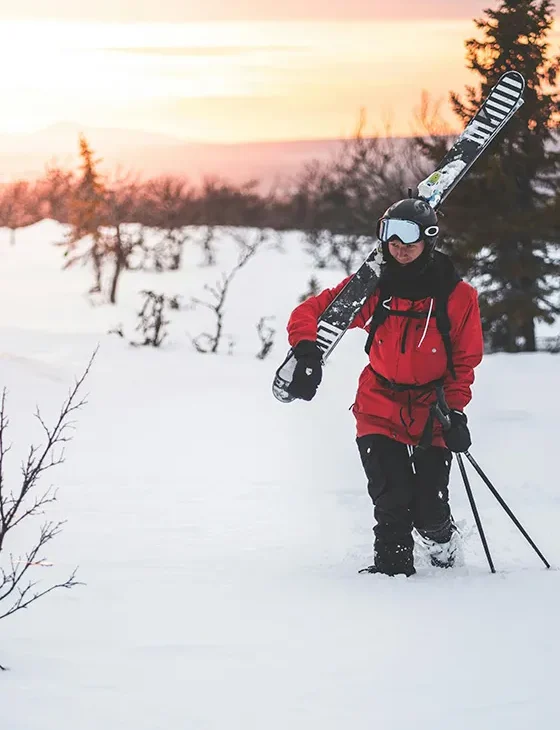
column 458, row 437
column 308, row 372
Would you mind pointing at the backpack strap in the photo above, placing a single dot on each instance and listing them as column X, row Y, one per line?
column 443, row 324
column 380, row 314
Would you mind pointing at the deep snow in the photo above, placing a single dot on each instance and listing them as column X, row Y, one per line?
column 219, row 532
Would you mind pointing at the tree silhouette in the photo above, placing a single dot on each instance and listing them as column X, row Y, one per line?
column 499, row 219
column 86, row 211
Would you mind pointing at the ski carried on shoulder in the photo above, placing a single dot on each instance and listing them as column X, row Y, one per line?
column 503, row 100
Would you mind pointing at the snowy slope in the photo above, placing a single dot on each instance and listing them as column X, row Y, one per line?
column 219, row 532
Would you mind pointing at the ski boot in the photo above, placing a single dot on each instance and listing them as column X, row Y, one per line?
column 441, row 554
column 391, row 559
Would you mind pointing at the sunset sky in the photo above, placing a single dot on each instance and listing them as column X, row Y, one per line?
column 229, row 70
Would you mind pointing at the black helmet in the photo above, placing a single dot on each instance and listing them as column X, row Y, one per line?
column 414, row 220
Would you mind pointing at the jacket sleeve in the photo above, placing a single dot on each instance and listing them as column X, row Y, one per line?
column 468, row 347
column 302, row 324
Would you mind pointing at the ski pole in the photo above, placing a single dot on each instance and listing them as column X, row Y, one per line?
column 441, row 411
column 507, row 510
column 475, row 511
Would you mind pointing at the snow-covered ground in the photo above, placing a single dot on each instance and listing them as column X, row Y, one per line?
column 219, row 533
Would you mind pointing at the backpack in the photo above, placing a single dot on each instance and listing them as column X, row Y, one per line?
column 443, row 323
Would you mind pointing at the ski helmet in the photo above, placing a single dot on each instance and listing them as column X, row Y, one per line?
column 410, row 220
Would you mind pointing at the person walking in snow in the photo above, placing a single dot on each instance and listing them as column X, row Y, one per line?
column 425, row 339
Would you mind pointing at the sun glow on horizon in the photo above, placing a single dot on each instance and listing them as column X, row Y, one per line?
column 228, row 81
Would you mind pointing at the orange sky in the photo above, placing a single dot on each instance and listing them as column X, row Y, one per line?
column 245, row 10
column 227, row 81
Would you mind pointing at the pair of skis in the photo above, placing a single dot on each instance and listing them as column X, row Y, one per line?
column 502, row 102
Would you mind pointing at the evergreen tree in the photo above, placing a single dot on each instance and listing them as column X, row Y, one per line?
column 500, row 220
column 86, row 215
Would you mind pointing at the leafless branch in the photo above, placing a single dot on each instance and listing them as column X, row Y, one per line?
column 266, row 335
column 206, row 241
column 343, row 199
column 249, row 243
column 17, row 589
column 152, row 323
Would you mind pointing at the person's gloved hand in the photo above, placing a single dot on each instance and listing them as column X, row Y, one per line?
column 458, row 437
column 308, row 372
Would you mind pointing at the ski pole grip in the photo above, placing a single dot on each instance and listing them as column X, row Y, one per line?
column 441, row 410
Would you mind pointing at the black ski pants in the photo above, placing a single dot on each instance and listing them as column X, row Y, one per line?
column 405, row 494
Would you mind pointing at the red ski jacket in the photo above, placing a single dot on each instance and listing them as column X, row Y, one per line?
column 405, row 351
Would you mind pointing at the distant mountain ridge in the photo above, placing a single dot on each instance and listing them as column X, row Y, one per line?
column 149, row 154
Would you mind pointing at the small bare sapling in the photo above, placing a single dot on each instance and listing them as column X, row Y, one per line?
column 19, row 586
column 266, row 335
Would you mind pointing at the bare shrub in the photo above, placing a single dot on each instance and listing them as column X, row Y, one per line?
column 152, row 322
column 342, row 200
column 120, row 238
column 18, row 504
column 18, row 206
column 266, row 335
column 169, row 206
column 207, row 242
column 313, row 288
column 209, row 342
column 54, row 192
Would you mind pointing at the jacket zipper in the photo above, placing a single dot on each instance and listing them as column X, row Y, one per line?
column 403, row 341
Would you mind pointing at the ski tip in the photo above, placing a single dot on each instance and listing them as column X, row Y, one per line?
column 280, row 394
column 516, row 79
column 283, row 378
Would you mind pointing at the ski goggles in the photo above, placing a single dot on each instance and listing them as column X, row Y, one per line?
column 408, row 232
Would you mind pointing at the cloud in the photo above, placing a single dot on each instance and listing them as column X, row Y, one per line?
column 205, row 50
